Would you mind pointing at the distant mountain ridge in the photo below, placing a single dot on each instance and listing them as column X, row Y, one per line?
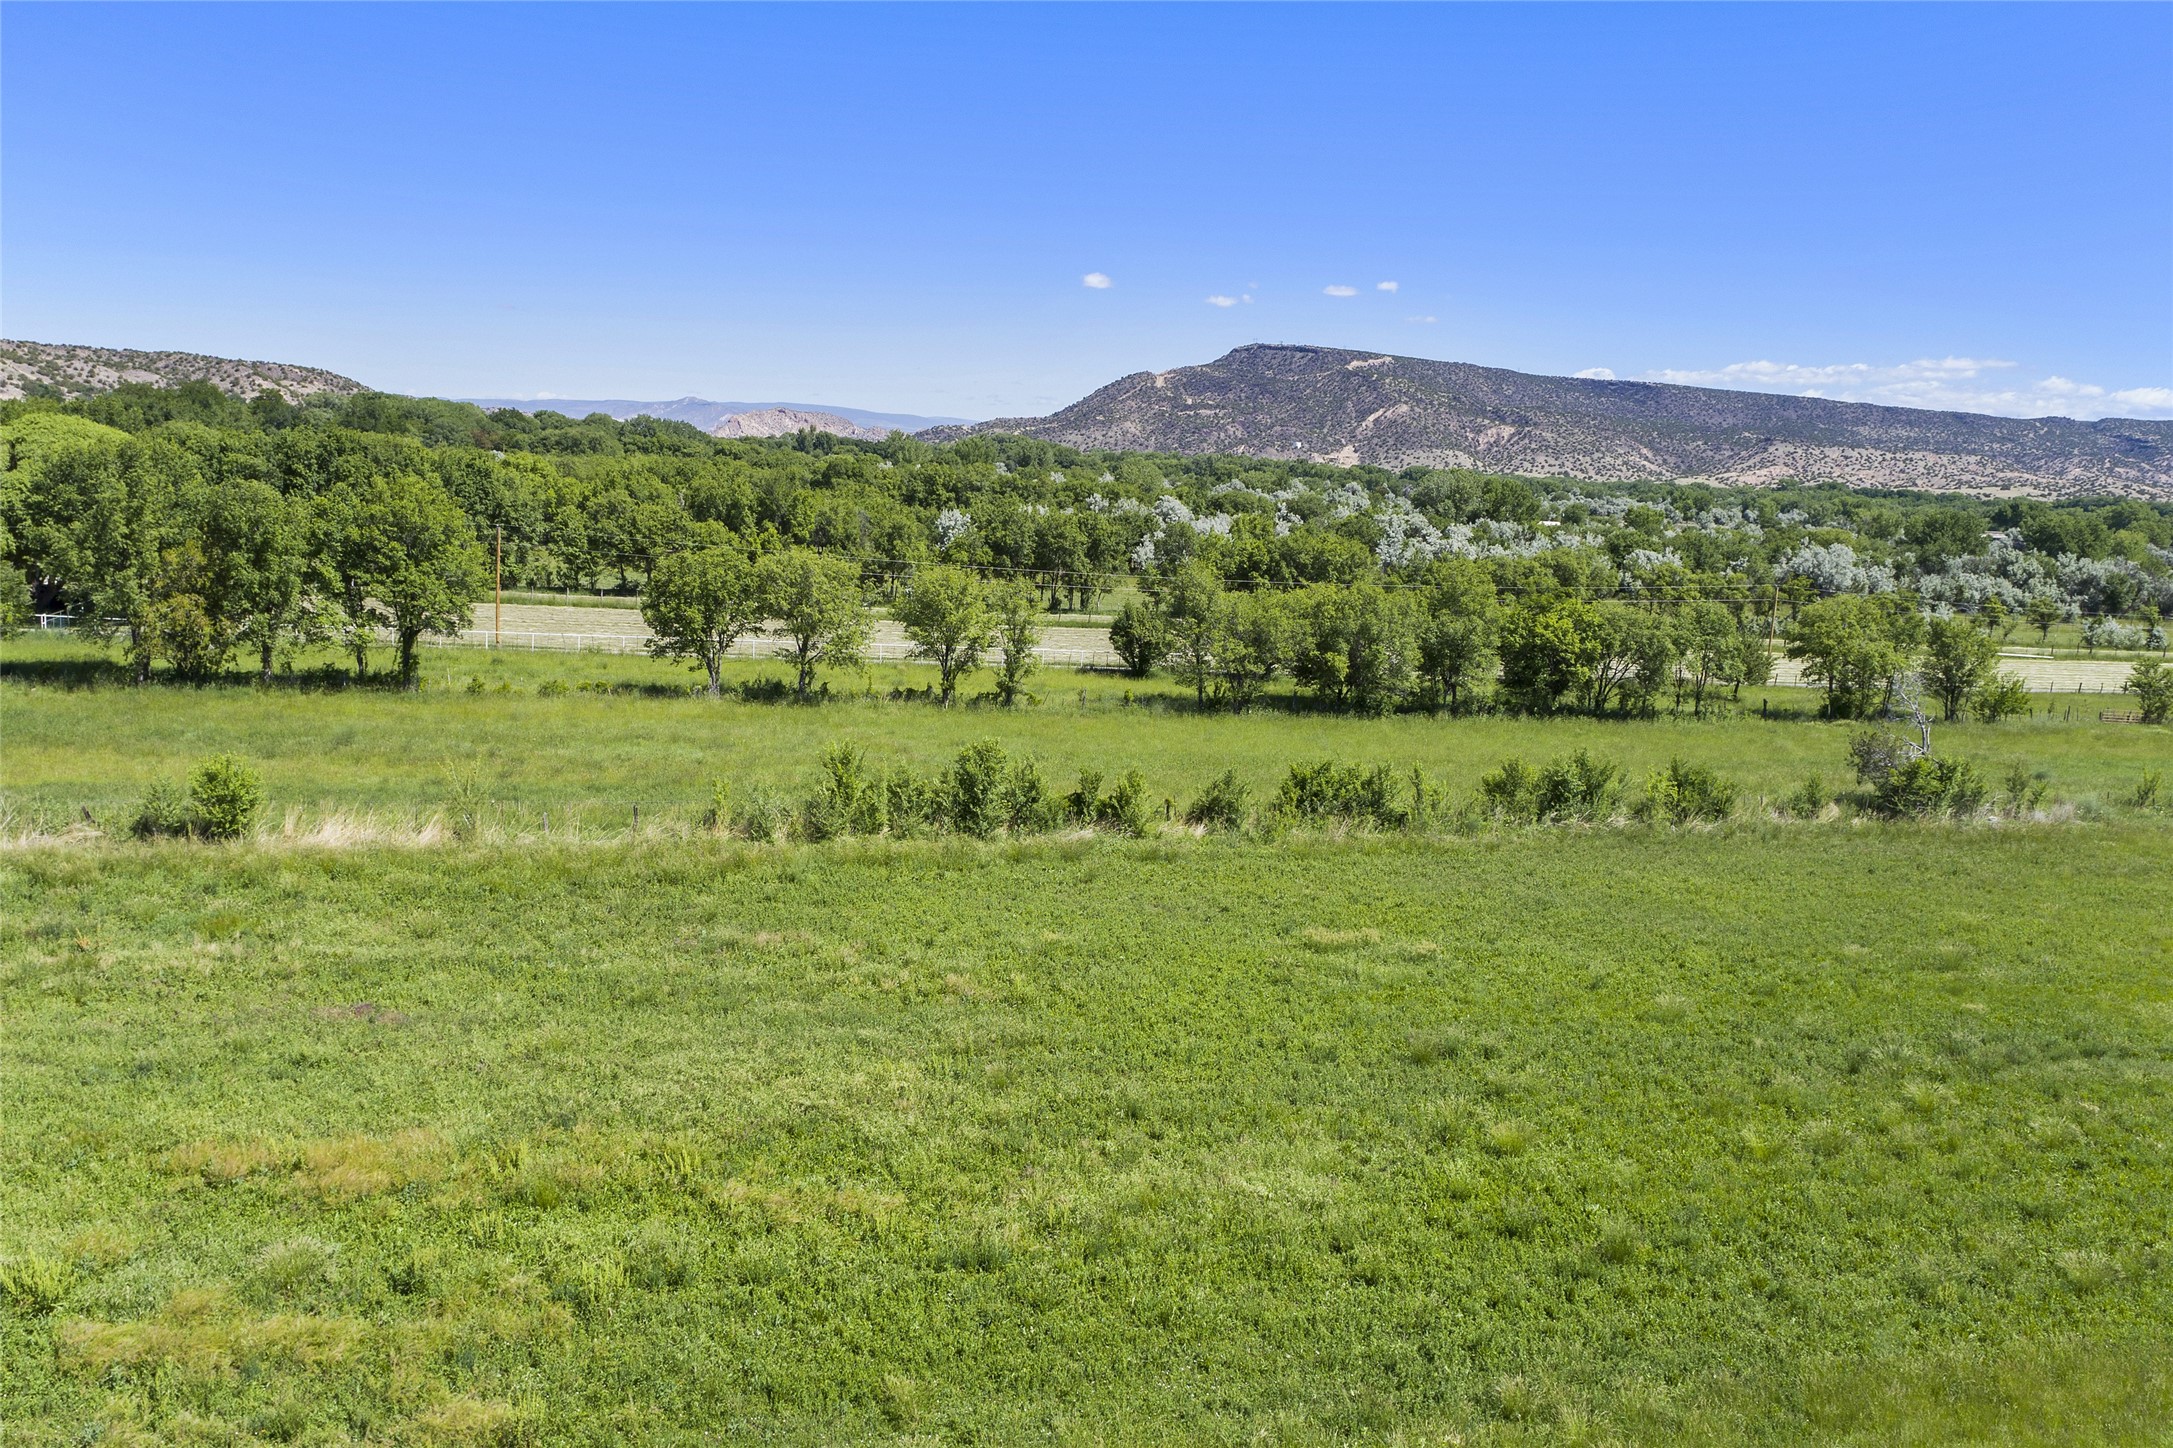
column 73, row 371
column 707, row 415
column 1328, row 404
column 785, row 421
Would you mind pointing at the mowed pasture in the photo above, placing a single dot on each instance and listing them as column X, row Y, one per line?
column 77, row 736
column 1768, row 1132
column 1759, row 1135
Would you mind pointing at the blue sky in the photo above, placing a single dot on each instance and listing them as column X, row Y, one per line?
column 1947, row 205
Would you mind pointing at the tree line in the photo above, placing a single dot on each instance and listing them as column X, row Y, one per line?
column 192, row 526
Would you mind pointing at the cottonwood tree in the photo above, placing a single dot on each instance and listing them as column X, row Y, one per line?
column 817, row 606
column 1191, row 599
column 1459, row 628
column 411, row 563
column 699, row 603
column 1548, row 651
column 1633, row 651
column 1253, row 637
column 1018, row 631
column 264, row 563
column 945, row 612
column 1852, row 647
column 1354, row 646
column 1711, row 644
column 100, row 523
column 2043, row 611
column 1139, row 637
column 1958, row 658
column 2152, row 683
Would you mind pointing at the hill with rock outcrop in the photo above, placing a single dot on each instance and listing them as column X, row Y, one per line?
column 1327, row 404
column 58, row 369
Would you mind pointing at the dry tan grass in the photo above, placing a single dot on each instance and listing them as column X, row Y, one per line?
column 201, row 1332
column 1319, row 937
column 362, row 1165
column 219, row 1162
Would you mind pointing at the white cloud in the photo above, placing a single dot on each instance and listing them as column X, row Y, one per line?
column 1429, row 321
column 1384, row 286
column 1246, row 299
column 1224, row 301
column 1340, row 291
column 1099, row 281
column 1597, row 374
column 1950, row 384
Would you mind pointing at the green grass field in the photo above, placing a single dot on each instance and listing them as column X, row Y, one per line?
column 1750, row 1136
column 78, row 737
column 1771, row 1132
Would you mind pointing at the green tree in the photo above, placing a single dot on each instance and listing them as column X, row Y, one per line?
column 1958, row 658
column 1711, row 646
column 1190, row 606
column 1753, row 661
column 1018, row 630
column 2043, row 611
column 15, row 603
column 1548, row 652
column 816, row 604
column 699, row 603
column 1252, row 642
column 1848, row 645
column 411, row 563
column 2152, row 684
column 945, row 612
column 1139, row 637
column 1354, row 646
column 268, row 583
column 98, row 522
column 1459, row 628
column 1633, row 653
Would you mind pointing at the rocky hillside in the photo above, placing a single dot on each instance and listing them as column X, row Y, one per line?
column 81, row 371
column 784, row 421
column 1327, row 405
column 707, row 415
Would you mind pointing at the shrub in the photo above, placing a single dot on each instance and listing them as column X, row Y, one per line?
column 1685, row 792
column 2003, row 696
column 847, row 800
column 2149, row 791
column 1810, row 799
column 1874, row 754
column 1080, row 803
column 911, row 802
column 1124, row 809
column 1327, row 790
column 1926, row 786
column 1031, row 808
column 978, row 789
column 1220, row 806
column 163, row 810
column 227, row 797
column 34, row 1286
column 553, row 689
column 761, row 817
column 1576, row 787
column 2152, row 684
column 2025, row 790
column 1509, row 791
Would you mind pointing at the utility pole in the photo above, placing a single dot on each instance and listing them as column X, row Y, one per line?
column 497, row 582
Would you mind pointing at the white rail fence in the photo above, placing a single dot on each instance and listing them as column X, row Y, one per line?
column 885, row 651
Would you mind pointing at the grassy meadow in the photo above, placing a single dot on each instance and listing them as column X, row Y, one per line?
column 1765, row 1133
column 78, row 736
